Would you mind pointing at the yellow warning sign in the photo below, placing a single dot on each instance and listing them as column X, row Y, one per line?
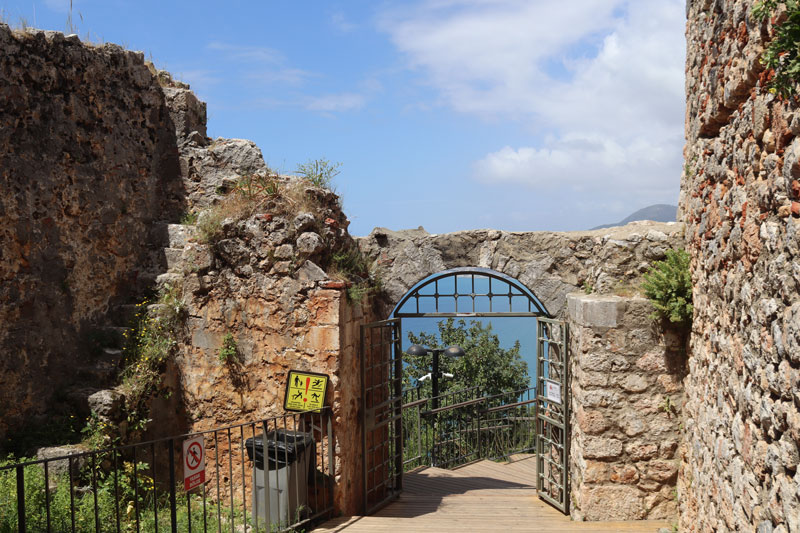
column 305, row 391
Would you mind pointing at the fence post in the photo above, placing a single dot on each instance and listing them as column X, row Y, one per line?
column 173, row 506
column 21, row 499
column 480, row 433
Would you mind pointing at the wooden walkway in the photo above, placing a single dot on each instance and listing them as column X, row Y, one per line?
column 481, row 497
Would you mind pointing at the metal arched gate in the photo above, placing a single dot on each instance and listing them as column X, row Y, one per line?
column 462, row 292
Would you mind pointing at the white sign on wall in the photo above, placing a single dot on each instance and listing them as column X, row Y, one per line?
column 194, row 463
column 553, row 391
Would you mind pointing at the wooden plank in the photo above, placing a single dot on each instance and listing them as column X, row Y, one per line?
column 482, row 496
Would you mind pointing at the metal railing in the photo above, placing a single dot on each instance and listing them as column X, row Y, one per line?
column 467, row 426
column 140, row 487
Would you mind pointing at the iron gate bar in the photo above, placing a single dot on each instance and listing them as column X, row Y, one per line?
column 382, row 399
column 513, row 289
column 552, row 418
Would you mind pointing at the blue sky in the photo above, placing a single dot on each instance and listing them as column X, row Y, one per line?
column 518, row 115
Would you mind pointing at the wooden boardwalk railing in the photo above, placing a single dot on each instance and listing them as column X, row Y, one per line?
column 480, row 497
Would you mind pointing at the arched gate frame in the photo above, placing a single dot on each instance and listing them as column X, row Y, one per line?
column 462, row 293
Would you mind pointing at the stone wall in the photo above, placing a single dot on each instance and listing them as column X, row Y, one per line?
column 627, row 401
column 551, row 264
column 88, row 161
column 262, row 281
column 739, row 196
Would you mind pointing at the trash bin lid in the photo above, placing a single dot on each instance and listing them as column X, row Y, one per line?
column 283, row 447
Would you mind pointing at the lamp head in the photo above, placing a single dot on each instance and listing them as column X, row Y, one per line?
column 454, row 352
column 417, row 350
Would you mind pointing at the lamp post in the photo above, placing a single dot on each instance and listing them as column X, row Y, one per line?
column 454, row 352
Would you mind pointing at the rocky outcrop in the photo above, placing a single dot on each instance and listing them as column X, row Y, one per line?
column 551, row 264
column 739, row 196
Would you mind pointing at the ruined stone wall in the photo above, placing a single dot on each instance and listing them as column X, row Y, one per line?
column 260, row 283
column 88, row 161
column 739, row 197
column 551, row 264
column 627, row 400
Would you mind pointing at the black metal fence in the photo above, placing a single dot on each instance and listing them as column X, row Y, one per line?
column 467, row 426
column 270, row 475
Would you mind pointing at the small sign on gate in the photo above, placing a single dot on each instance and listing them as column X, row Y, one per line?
column 194, row 463
column 553, row 391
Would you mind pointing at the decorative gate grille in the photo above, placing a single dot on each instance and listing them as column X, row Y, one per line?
column 382, row 402
column 552, row 413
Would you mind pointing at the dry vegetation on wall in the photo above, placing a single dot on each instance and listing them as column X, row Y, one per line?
column 310, row 204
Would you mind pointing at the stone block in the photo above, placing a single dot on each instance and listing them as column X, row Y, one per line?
column 595, row 310
column 624, row 474
column 652, row 362
column 324, row 307
column 613, row 502
column 596, row 398
column 641, row 451
column 593, row 422
column 596, row 472
column 631, row 423
column 661, row 471
column 309, row 243
column 634, row 383
column 309, row 271
column 602, row 448
column 107, row 403
column 178, row 235
column 198, row 257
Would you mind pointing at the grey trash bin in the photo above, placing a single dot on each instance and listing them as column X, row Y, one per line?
column 284, row 485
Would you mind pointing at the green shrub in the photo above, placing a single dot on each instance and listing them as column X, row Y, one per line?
column 151, row 342
column 668, row 284
column 229, row 351
column 117, row 497
column 320, row 172
column 782, row 53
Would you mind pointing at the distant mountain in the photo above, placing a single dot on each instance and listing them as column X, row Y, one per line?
column 657, row 212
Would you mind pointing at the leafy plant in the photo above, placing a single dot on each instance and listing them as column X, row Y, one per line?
column 320, row 172
column 668, row 285
column 782, row 53
column 229, row 351
column 189, row 218
column 97, row 433
column 148, row 345
column 352, row 265
column 117, row 496
column 257, row 185
column 667, row 406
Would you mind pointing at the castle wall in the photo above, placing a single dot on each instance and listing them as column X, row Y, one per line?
column 88, row 160
column 739, row 198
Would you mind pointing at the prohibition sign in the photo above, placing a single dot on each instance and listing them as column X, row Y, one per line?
column 193, row 455
column 194, row 465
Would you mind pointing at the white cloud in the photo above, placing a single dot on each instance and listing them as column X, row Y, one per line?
column 599, row 83
column 336, row 102
column 265, row 65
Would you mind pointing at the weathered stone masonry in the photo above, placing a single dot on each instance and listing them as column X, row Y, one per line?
column 84, row 222
column 627, row 400
column 739, row 192
column 88, row 161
